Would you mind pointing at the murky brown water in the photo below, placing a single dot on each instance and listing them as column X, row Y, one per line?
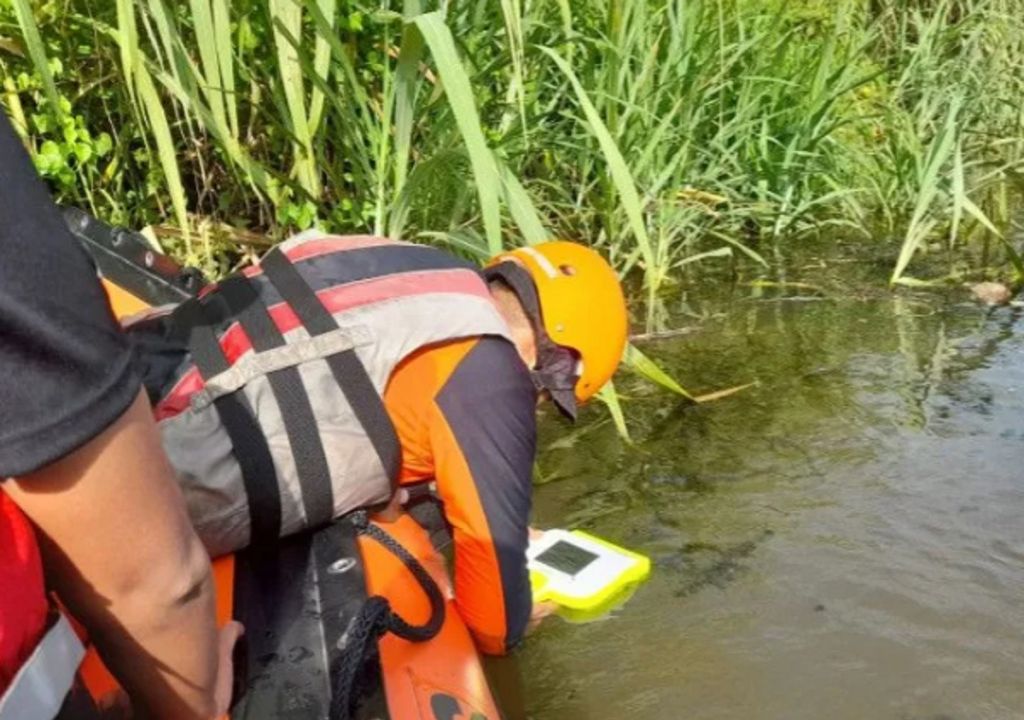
column 844, row 541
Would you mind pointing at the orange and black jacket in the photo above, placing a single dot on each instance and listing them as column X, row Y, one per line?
column 465, row 413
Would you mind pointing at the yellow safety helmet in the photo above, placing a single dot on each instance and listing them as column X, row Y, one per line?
column 582, row 308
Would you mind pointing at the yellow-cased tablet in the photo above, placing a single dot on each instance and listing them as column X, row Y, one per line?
column 583, row 574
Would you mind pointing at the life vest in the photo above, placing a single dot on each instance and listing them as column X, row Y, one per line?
column 37, row 665
column 271, row 413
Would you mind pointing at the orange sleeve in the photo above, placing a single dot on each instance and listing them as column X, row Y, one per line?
column 478, row 442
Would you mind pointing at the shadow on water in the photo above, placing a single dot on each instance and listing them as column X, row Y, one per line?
column 843, row 537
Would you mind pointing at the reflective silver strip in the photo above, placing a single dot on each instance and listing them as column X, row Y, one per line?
column 253, row 365
column 544, row 263
column 46, row 678
column 302, row 237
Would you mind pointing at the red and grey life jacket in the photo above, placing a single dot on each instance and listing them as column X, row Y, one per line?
column 271, row 412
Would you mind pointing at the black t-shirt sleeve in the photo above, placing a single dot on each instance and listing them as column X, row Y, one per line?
column 65, row 368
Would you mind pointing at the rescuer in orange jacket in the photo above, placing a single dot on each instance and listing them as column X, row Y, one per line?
column 466, row 417
column 460, row 388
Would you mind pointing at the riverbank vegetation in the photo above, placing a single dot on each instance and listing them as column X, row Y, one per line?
column 673, row 134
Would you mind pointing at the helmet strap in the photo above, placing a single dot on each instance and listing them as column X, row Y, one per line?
column 555, row 371
column 520, row 282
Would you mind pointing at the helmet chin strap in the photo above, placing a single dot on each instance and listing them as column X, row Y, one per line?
column 557, row 368
column 520, row 282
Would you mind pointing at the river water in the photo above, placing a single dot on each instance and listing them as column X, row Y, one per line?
column 845, row 540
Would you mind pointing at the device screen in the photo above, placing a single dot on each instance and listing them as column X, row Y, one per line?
column 566, row 557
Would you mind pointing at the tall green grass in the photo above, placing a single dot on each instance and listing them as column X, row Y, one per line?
column 953, row 146
column 669, row 133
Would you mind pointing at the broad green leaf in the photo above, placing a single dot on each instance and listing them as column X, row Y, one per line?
column 939, row 152
column 649, row 369
column 287, row 16
column 460, row 97
column 1015, row 258
column 321, row 64
column 908, row 281
column 978, row 214
column 170, row 40
column 610, row 398
column 513, row 14
column 755, row 256
column 184, row 71
column 166, row 150
column 255, row 173
column 958, row 191
column 617, row 166
column 566, row 14
column 404, row 99
column 128, row 43
column 716, row 253
column 225, row 61
column 467, row 242
column 209, row 57
column 358, row 103
column 722, row 394
column 521, row 207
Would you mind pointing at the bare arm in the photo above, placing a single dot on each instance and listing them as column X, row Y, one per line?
column 122, row 555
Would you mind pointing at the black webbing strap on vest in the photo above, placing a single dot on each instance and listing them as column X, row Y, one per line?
column 296, row 412
column 347, row 368
column 247, row 439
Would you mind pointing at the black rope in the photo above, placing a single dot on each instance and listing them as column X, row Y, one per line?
column 360, row 638
column 376, row 618
column 397, row 625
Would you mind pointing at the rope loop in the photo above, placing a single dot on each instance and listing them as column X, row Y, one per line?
column 376, row 617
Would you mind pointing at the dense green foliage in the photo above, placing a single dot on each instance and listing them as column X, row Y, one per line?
column 665, row 131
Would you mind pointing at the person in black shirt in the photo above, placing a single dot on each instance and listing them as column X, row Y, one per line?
column 81, row 458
